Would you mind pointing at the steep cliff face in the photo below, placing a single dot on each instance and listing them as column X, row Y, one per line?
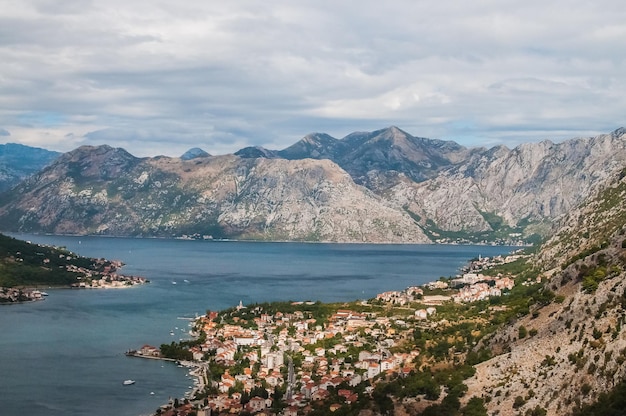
column 103, row 190
column 314, row 146
column 451, row 192
column 395, row 150
column 389, row 149
column 534, row 182
column 576, row 346
column 455, row 191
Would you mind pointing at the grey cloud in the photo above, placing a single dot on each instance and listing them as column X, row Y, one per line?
column 143, row 75
column 4, row 132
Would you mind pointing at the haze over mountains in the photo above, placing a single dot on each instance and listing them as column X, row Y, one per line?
column 381, row 186
column 18, row 162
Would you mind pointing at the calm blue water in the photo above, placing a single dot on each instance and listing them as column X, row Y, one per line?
column 64, row 355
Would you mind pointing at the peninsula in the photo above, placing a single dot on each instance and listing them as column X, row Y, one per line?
column 25, row 268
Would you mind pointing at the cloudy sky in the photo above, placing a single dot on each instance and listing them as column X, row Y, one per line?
column 162, row 76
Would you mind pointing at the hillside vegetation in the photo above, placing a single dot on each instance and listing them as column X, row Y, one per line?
column 565, row 355
column 23, row 264
column 553, row 344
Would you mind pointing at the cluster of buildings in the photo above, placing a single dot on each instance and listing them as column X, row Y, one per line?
column 333, row 360
column 476, row 287
column 404, row 297
column 483, row 263
column 11, row 295
column 104, row 275
column 471, row 287
column 296, row 353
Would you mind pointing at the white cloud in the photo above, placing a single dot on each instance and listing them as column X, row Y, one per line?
column 158, row 78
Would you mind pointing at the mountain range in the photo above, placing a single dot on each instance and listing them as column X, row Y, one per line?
column 381, row 186
column 18, row 161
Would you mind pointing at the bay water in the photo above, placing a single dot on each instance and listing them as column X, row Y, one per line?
column 65, row 355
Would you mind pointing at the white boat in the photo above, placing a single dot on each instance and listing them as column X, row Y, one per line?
column 128, row 382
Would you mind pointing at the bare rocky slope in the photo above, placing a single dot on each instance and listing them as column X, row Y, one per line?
column 457, row 192
column 381, row 186
column 520, row 189
column 106, row 191
column 569, row 352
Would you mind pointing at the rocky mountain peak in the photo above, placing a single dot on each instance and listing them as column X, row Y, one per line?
column 392, row 136
column 314, row 145
column 391, row 132
column 318, row 139
column 619, row 132
column 194, row 153
column 253, row 152
column 446, row 187
column 95, row 162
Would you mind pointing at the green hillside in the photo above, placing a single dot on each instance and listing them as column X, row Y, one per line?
column 27, row 264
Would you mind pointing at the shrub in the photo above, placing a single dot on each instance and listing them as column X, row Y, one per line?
column 519, row 402
column 522, row 332
column 537, row 411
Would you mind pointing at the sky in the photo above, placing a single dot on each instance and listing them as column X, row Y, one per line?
column 159, row 77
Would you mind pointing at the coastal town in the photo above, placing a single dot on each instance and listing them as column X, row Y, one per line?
column 100, row 274
column 295, row 358
column 104, row 276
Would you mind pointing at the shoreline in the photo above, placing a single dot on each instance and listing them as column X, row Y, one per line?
column 136, row 354
column 200, row 367
column 21, row 302
column 198, row 370
column 234, row 240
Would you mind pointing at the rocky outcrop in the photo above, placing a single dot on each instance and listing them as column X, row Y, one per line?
column 314, row 146
column 459, row 192
column 254, row 152
column 576, row 346
column 531, row 184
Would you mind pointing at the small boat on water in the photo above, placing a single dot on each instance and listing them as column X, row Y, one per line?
column 39, row 293
column 128, row 382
